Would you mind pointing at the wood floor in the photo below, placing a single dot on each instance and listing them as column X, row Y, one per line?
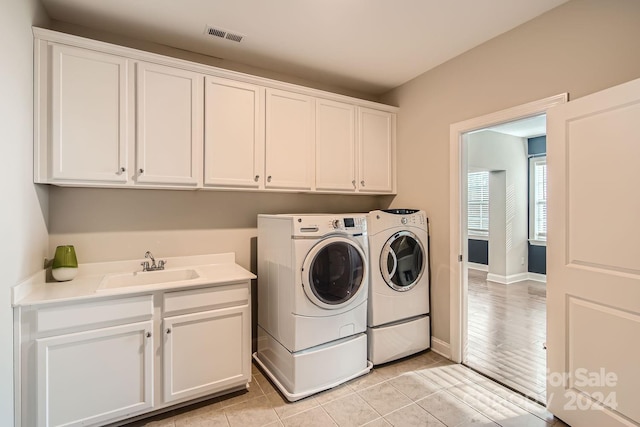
column 507, row 331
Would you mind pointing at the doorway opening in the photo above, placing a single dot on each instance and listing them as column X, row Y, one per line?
column 498, row 294
column 506, row 216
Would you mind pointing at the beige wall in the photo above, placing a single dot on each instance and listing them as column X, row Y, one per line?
column 24, row 206
column 580, row 47
column 109, row 224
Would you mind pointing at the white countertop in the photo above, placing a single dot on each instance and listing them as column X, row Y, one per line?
column 213, row 269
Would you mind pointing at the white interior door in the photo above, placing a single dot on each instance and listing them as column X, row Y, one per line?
column 593, row 271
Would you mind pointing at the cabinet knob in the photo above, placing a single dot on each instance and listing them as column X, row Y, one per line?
column 148, row 334
column 168, row 330
column 141, row 170
column 256, row 178
column 122, row 170
column 269, row 178
column 362, row 182
column 354, row 183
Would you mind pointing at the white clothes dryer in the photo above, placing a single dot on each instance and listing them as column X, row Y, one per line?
column 398, row 311
column 313, row 284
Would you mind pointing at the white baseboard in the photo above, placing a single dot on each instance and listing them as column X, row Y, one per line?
column 441, row 347
column 476, row 266
column 515, row 278
column 507, row 280
column 537, row 277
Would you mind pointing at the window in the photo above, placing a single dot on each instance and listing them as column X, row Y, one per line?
column 538, row 198
column 478, row 203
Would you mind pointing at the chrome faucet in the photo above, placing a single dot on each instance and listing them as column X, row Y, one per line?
column 153, row 267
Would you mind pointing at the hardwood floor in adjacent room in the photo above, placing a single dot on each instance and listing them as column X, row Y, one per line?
column 507, row 332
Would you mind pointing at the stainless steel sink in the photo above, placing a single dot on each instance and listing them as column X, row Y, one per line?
column 145, row 278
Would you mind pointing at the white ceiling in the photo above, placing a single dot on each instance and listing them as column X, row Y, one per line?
column 523, row 128
column 369, row 46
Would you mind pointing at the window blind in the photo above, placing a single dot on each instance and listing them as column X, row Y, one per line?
column 478, row 203
column 540, row 198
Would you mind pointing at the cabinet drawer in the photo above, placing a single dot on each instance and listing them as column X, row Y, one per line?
column 94, row 312
column 206, row 298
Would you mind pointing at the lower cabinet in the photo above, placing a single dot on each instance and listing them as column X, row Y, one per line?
column 95, row 376
column 99, row 361
column 205, row 352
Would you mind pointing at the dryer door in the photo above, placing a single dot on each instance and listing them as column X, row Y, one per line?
column 402, row 261
column 333, row 272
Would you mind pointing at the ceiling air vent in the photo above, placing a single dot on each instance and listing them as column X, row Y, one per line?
column 223, row 34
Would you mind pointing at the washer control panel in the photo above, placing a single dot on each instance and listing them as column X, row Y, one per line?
column 318, row 225
column 349, row 223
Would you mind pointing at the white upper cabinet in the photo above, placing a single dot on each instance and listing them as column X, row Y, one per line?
column 335, row 146
column 289, row 140
column 233, row 134
column 169, row 126
column 376, row 148
column 110, row 116
column 89, row 117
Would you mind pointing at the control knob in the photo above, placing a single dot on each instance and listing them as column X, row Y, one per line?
column 336, row 223
column 404, row 221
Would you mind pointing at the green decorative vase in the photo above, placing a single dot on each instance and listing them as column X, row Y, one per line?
column 65, row 263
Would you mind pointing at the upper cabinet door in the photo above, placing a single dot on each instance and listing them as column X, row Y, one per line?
column 89, row 116
column 169, row 126
column 376, row 151
column 335, row 146
column 289, row 140
column 234, row 134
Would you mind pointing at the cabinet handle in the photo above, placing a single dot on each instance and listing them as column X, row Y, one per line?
column 121, row 171
column 141, row 170
column 168, row 330
column 256, row 178
column 354, row 183
column 269, row 178
column 148, row 334
column 362, row 182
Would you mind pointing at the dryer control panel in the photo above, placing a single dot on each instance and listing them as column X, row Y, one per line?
column 382, row 220
column 416, row 219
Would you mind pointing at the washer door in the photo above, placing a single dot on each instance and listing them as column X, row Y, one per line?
column 402, row 261
column 333, row 272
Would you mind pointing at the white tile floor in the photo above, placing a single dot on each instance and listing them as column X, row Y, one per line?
column 423, row 390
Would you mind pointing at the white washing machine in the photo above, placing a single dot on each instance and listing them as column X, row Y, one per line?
column 313, row 284
column 398, row 315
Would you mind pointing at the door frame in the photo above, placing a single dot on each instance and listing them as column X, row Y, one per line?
column 458, row 229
